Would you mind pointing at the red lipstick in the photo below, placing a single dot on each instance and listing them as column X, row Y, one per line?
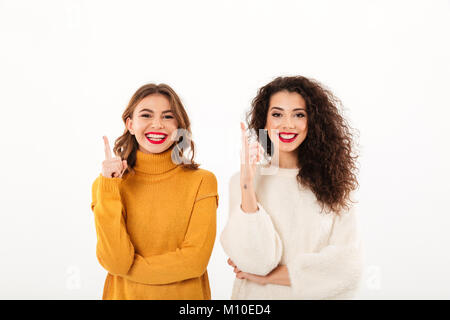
column 158, row 141
column 287, row 140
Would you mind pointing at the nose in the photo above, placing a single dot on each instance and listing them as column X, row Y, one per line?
column 156, row 123
column 288, row 124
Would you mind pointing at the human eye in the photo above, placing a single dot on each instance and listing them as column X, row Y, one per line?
column 276, row 114
column 145, row 115
column 300, row 115
column 168, row 116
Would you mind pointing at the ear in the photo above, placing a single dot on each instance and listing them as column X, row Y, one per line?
column 129, row 125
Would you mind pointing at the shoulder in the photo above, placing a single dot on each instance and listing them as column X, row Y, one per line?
column 94, row 190
column 207, row 184
column 348, row 217
column 205, row 179
column 351, row 210
column 95, row 185
column 208, row 177
column 202, row 174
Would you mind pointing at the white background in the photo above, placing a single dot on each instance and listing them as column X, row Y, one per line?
column 68, row 69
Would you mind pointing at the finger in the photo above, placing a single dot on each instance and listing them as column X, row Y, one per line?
column 255, row 155
column 254, row 152
column 244, row 143
column 231, row 263
column 275, row 139
column 250, row 276
column 108, row 155
column 258, row 155
column 261, row 152
column 256, row 148
column 116, row 168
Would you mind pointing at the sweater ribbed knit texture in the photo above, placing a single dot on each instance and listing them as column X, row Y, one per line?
column 321, row 251
column 156, row 230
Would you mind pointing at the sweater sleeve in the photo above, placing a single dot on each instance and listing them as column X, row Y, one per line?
column 250, row 239
column 336, row 270
column 116, row 253
column 191, row 258
column 114, row 248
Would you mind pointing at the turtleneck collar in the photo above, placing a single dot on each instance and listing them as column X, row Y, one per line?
column 154, row 163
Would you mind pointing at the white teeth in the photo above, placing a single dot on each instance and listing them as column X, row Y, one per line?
column 155, row 136
column 287, row 136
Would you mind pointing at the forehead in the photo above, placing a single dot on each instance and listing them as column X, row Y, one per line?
column 287, row 100
column 155, row 102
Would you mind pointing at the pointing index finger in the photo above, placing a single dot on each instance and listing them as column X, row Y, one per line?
column 244, row 136
column 245, row 147
column 108, row 155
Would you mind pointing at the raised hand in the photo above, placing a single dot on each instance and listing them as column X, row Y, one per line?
column 251, row 154
column 112, row 167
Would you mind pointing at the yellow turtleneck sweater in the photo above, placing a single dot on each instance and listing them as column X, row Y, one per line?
column 156, row 230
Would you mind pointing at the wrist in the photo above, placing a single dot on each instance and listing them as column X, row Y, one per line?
column 109, row 186
column 246, row 186
column 249, row 210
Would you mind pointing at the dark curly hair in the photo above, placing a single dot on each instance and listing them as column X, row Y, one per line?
column 328, row 163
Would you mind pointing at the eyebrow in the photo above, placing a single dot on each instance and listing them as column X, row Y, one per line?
column 279, row 108
column 151, row 111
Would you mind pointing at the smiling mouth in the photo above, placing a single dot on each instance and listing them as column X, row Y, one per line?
column 156, row 137
column 287, row 137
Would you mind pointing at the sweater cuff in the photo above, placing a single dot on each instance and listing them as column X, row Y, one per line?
column 109, row 187
column 252, row 215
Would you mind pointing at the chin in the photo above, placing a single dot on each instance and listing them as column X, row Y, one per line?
column 290, row 149
column 156, row 148
column 160, row 149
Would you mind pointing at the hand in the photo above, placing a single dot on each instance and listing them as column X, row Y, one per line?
column 112, row 167
column 249, row 276
column 279, row 275
column 250, row 156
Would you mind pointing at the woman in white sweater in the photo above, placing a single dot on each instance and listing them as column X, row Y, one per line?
column 292, row 231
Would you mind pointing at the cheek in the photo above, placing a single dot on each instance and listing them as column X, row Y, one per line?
column 269, row 127
column 271, row 123
column 172, row 125
column 137, row 126
column 303, row 125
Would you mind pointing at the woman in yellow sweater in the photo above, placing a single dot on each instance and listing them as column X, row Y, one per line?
column 154, row 209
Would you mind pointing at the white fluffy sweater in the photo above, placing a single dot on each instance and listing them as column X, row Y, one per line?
column 322, row 251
